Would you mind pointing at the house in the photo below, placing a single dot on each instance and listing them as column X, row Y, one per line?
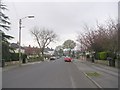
column 49, row 51
column 31, row 50
column 35, row 50
column 15, row 46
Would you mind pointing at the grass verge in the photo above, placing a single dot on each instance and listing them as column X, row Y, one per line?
column 93, row 74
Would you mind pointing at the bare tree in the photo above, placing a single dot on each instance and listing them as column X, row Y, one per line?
column 102, row 38
column 108, row 34
column 43, row 37
column 86, row 40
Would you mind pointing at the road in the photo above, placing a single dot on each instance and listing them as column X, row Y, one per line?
column 52, row 74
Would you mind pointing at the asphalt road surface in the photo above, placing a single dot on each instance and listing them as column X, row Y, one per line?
column 52, row 74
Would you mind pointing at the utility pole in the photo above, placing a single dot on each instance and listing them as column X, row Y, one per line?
column 20, row 22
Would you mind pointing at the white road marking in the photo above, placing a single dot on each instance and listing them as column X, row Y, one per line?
column 72, row 81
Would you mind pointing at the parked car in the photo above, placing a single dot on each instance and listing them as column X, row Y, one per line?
column 52, row 58
column 67, row 59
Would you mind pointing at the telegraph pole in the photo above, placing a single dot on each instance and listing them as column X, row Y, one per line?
column 20, row 22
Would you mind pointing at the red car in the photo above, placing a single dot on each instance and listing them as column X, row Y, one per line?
column 67, row 59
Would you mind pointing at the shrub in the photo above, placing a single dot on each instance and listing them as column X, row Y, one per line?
column 24, row 56
column 88, row 56
column 14, row 56
column 102, row 55
column 97, row 56
column 112, row 55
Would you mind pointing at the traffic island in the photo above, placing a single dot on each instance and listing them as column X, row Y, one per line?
column 90, row 75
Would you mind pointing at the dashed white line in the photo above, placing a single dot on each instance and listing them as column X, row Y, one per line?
column 72, row 81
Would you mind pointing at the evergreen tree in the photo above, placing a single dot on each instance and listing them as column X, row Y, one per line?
column 4, row 25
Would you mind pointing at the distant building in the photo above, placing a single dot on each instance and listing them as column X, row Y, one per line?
column 31, row 50
column 49, row 51
column 15, row 46
column 35, row 50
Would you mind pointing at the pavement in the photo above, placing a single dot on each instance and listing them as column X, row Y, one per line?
column 18, row 65
column 108, row 75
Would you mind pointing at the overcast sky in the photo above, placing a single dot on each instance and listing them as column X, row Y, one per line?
column 65, row 18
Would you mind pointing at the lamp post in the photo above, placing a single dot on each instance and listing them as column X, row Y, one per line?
column 20, row 27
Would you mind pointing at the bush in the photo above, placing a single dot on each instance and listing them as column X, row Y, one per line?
column 14, row 56
column 41, row 58
column 5, row 53
column 97, row 57
column 112, row 55
column 102, row 55
column 34, row 58
column 87, row 56
column 47, row 56
column 23, row 56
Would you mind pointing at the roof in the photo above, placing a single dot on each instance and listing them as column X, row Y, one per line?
column 48, row 49
column 15, row 45
column 31, row 50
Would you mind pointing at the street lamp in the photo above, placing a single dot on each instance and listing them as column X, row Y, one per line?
column 20, row 27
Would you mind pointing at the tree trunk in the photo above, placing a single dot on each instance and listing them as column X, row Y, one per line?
column 70, row 53
column 42, row 51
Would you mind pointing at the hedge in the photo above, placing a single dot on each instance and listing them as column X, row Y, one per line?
column 102, row 55
column 97, row 57
column 13, row 57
